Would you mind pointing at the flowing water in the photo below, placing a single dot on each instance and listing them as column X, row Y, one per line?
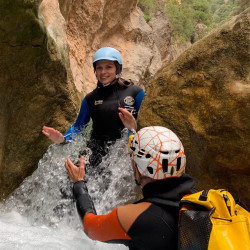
column 41, row 213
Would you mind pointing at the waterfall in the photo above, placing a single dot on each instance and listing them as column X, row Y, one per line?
column 41, row 213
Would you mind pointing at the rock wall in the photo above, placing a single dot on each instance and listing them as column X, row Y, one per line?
column 94, row 23
column 36, row 86
column 46, row 69
column 203, row 96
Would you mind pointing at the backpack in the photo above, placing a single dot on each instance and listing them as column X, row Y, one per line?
column 210, row 220
column 213, row 220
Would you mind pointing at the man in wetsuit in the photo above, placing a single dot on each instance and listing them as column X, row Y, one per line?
column 158, row 162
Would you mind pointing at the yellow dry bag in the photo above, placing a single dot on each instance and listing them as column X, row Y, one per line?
column 213, row 220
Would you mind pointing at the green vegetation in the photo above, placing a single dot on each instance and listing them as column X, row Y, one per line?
column 186, row 16
column 147, row 6
column 192, row 19
column 223, row 10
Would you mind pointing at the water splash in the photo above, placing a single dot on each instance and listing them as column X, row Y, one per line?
column 44, row 200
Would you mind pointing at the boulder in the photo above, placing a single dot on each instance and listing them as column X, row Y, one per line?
column 203, row 96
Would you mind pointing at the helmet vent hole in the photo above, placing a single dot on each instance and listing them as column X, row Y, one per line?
column 177, row 151
column 148, row 155
column 172, row 171
column 165, row 165
column 140, row 154
column 178, row 165
column 136, row 142
column 150, row 170
column 132, row 148
column 165, row 152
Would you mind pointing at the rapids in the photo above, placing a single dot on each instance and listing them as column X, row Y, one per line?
column 41, row 213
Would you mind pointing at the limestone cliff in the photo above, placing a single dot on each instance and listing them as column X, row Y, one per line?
column 203, row 96
column 92, row 24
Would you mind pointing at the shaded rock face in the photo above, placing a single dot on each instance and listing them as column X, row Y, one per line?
column 203, row 97
column 36, row 89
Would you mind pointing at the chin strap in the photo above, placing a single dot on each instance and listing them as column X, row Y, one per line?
column 84, row 203
column 131, row 136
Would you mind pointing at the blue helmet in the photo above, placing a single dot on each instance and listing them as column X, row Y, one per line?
column 108, row 53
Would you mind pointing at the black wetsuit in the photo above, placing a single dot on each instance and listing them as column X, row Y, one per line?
column 156, row 227
column 101, row 105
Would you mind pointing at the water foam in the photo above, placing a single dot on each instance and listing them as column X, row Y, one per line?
column 41, row 213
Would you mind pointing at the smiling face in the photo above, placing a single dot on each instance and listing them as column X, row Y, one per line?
column 105, row 71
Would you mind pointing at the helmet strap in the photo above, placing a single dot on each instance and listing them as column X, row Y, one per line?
column 100, row 84
column 140, row 179
column 137, row 183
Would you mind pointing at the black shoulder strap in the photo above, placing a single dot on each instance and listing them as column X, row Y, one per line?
column 163, row 202
column 159, row 201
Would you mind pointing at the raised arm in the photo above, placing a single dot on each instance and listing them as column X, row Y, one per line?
column 81, row 121
column 104, row 228
column 53, row 134
column 84, row 203
column 127, row 119
column 138, row 100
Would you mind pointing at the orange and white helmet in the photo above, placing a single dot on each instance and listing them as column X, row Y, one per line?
column 158, row 153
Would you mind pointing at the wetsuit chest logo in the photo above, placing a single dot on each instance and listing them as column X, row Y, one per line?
column 98, row 102
column 129, row 100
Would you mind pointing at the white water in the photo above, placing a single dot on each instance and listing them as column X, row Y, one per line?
column 41, row 213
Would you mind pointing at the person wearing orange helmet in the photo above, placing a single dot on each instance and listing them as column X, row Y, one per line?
column 158, row 162
column 101, row 105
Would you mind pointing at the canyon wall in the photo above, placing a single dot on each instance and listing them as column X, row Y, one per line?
column 46, row 69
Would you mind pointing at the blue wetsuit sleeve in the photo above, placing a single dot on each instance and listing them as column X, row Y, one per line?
column 81, row 121
column 138, row 100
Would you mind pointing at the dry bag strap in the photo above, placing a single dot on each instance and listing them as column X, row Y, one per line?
column 203, row 196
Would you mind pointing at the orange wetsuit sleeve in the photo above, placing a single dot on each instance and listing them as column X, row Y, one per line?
column 104, row 227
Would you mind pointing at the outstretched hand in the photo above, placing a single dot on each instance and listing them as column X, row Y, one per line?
column 75, row 173
column 127, row 119
column 53, row 134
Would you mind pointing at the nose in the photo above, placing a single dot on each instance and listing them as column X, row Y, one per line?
column 103, row 70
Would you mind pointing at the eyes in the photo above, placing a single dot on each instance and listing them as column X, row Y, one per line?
column 107, row 67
